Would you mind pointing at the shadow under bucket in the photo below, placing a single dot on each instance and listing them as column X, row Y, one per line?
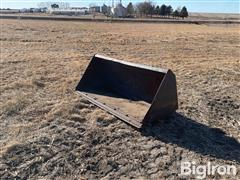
column 137, row 94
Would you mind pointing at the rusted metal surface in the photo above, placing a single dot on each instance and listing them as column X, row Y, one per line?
column 137, row 94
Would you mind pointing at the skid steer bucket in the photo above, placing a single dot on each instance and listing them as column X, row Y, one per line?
column 137, row 94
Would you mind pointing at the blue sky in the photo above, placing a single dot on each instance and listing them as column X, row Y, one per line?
column 214, row 6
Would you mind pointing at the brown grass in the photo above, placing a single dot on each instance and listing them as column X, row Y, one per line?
column 15, row 105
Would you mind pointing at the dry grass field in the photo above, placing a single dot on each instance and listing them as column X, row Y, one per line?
column 48, row 131
column 215, row 16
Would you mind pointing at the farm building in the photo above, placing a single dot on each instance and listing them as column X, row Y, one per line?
column 33, row 10
column 9, row 11
column 69, row 12
column 119, row 11
column 95, row 9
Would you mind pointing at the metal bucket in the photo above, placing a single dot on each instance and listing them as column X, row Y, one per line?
column 137, row 94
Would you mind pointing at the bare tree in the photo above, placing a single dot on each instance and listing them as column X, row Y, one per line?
column 145, row 8
column 92, row 5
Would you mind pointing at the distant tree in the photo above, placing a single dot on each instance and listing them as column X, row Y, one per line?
column 157, row 10
column 130, row 9
column 104, row 9
column 141, row 8
column 176, row 13
column 183, row 13
column 42, row 5
column 145, row 8
column 61, row 5
column 163, row 9
column 151, row 9
column 54, row 6
column 169, row 10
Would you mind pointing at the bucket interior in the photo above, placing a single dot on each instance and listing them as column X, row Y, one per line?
column 125, row 87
